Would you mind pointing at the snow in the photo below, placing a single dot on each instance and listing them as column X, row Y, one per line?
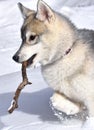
column 74, row 3
column 34, row 110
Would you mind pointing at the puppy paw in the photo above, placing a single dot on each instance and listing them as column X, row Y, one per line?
column 63, row 104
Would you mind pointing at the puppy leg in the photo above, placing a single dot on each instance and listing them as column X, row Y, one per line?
column 61, row 103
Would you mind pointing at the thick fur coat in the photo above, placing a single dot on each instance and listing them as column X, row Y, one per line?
column 66, row 55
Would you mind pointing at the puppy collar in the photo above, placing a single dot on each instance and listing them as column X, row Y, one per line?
column 68, row 51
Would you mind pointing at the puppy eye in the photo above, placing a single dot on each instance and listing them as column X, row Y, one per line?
column 32, row 37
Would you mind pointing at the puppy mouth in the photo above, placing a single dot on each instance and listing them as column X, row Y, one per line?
column 31, row 59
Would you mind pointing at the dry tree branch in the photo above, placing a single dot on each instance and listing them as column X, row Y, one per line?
column 14, row 103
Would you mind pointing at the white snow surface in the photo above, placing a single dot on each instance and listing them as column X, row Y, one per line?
column 34, row 112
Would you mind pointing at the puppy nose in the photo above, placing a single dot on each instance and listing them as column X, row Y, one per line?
column 16, row 58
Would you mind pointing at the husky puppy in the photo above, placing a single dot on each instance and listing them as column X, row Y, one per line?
column 66, row 55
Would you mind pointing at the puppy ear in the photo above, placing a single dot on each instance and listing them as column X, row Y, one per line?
column 25, row 11
column 44, row 12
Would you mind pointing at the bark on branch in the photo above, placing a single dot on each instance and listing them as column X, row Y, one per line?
column 14, row 103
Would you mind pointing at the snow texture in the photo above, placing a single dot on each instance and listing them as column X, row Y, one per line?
column 34, row 112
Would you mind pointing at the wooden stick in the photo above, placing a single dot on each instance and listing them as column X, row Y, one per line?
column 14, row 103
